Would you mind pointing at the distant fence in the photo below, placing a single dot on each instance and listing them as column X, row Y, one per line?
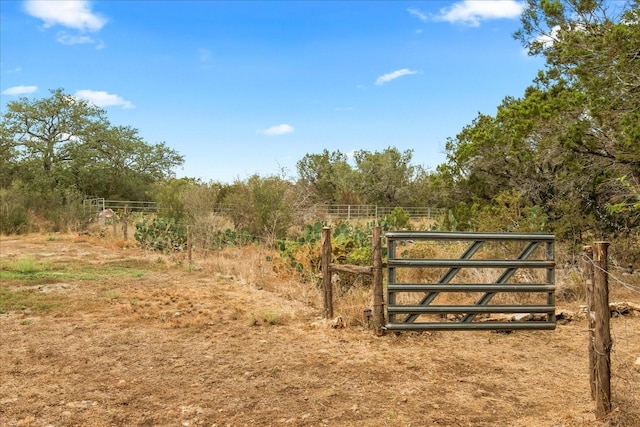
column 348, row 212
column 373, row 211
column 357, row 211
column 98, row 205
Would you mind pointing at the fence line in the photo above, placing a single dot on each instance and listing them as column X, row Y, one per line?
column 629, row 286
column 358, row 211
column 374, row 211
column 98, row 204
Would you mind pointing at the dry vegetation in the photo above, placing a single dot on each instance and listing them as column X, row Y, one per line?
column 97, row 332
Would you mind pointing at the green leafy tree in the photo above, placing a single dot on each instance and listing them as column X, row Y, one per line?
column 384, row 177
column 40, row 133
column 568, row 148
column 592, row 50
column 329, row 176
column 58, row 149
column 261, row 206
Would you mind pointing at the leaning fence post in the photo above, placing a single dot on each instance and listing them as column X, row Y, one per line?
column 326, row 274
column 602, row 342
column 378, row 299
column 588, row 279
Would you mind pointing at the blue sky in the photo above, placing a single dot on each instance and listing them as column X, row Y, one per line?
column 244, row 87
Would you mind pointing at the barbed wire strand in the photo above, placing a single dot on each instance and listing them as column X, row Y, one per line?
column 632, row 288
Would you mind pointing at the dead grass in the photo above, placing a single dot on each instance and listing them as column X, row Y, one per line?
column 228, row 341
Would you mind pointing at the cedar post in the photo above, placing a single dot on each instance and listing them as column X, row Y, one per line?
column 189, row 243
column 602, row 342
column 591, row 319
column 378, row 299
column 326, row 274
column 125, row 228
column 114, row 223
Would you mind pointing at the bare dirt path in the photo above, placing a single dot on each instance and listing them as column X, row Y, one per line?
column 176, row 347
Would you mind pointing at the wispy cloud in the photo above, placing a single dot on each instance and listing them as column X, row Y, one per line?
column 71, row 14
column 103, row 99
column 20, row 90
column 69, row 40
column 418, row 14
column 14, row 70
column 385, row 78
column 471, row 13
column 282, row 129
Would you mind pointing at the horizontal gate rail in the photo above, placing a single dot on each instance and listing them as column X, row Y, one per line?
column 406, row 315
column 466, row 287
column 478, row 263
column 471, row 309
column 446, row 235
column 483, row 326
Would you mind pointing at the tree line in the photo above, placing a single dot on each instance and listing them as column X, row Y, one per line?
column 563, row 158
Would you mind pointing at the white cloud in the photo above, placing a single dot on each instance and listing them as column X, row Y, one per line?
column 20, row 90
column 103, row 99
column 14, row 70
column 70, row 14
column 471, row 12
column 282, row 129
column 548, row 39
column 69, row 40
column 394, row 75
column 418, row 14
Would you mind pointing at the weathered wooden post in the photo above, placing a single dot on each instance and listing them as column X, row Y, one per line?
column 378, row 299
column 189, row 243
column 125, row 223
column 114, row 223
column 326, row 274
column 602, row 340
column 591, row 318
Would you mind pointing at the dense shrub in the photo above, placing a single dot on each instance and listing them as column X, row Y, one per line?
column 161, row 234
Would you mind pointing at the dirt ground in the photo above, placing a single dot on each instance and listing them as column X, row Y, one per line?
column 169, row 345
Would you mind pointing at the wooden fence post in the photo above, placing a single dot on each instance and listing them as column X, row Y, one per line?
column 378, row 298
column 591, row 318
column 189, row 243
column 326, row 274
column 125, row 223
column 602, row 342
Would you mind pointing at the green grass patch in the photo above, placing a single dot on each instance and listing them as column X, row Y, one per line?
column 34, row 272
column 21, row 277
column 32, row 299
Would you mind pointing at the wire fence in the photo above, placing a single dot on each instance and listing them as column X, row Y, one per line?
column 629, row 286
column 347, row 212
column 97, row 205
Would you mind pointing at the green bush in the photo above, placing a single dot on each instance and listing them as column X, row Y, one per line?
column 229, row 237
column 398, row 219
column 13, row 219
column 161, row 234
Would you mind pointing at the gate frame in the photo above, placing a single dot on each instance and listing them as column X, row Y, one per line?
column 432, row 290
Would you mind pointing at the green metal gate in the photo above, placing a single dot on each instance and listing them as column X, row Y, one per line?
column 418, row 302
